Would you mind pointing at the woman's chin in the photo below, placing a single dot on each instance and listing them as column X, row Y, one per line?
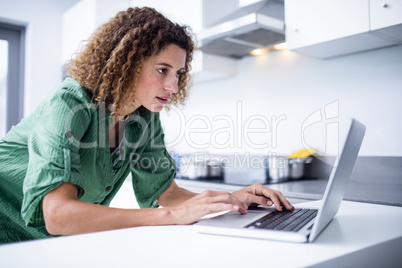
column 156, row 108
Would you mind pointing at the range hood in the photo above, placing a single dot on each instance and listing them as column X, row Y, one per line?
column 259, row 25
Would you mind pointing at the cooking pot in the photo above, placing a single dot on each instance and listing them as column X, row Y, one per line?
column 201, row 169
column 215, row 169
column 280, row 168
column 296, row 167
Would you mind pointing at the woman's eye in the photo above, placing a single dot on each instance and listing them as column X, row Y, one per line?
column 162, row 71
column 178, row 74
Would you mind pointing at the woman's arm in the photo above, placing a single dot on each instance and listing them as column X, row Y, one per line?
column 64, row 214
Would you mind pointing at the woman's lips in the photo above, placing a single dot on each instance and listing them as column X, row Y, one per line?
column 162, row 100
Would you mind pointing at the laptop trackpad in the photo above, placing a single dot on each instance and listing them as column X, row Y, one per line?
column 234, row 219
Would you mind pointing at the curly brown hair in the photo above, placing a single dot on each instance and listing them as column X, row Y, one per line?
column 111, row 61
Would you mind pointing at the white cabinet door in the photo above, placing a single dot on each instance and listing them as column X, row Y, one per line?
column 386, row 18
column 311, row 22
column 385, row 13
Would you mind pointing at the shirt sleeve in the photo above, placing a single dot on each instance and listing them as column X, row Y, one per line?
column 153, row 169
column 53, row 146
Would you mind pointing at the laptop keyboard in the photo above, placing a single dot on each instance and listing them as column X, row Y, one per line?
column 286, row 220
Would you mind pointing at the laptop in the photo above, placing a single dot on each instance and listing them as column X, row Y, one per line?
column 301, row 224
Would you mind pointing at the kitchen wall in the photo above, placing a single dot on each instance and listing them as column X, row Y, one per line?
column 278, row 102
column 283, row 94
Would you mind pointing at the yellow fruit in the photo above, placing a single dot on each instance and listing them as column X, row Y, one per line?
column 303, row 153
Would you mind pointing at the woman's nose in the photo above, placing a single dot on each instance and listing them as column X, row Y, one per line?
column 172, row 84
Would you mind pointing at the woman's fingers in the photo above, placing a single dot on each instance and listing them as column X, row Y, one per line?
column 217, row 197
column 259, row 194
column 277, row 198
column 258, row 200
column 206, row 203
column 218, row 207
column 214, row 197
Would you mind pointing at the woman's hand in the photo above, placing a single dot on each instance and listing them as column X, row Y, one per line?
column 258, row 194
column 205, row 203
column 185, row 207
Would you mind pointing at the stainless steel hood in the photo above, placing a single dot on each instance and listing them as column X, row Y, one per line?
column 259, row 25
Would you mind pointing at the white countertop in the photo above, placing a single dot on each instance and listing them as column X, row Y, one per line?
column 352, row 235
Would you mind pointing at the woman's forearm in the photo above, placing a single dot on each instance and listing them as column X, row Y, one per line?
column 65, row 215
column 80, row 217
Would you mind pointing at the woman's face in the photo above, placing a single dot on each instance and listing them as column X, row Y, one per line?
column 158, row 80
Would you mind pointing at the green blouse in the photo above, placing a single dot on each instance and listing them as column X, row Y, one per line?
column 66, row 140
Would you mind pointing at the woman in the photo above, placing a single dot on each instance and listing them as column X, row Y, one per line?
column 62, row 165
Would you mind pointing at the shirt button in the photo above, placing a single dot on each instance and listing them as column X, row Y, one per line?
column 68, row 134
column 108, row 188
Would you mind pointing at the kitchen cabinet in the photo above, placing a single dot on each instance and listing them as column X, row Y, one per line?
column 386, row 17
column 333, row 28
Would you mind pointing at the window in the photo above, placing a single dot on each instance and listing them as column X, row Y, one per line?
column 3, row 85
column 12, row 42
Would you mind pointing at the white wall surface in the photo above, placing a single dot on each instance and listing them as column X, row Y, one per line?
column 271, row 97
column 78, row 24
column 82, row 19
column 295, row 89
